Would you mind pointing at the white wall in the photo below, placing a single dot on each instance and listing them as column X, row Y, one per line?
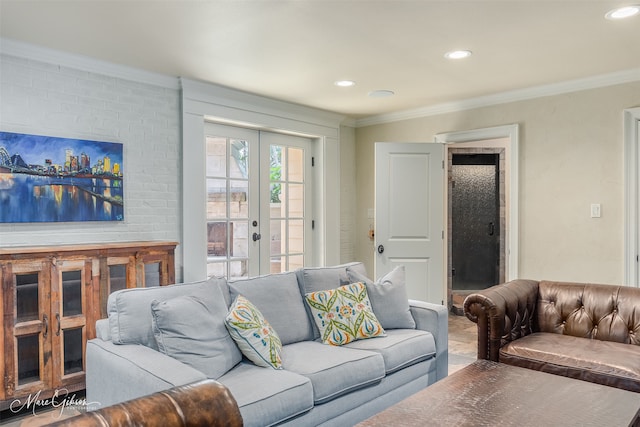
column 49, row 99
column 347, row 195
column 571, row 155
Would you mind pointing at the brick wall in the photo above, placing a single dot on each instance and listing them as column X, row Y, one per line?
column 47, row 99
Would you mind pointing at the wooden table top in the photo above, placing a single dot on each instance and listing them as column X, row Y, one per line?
column 495, row 394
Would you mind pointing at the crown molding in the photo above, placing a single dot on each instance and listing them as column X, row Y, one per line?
column 594, row 82
column 85, row 63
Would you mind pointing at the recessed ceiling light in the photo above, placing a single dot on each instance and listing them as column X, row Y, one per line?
column 344, row 83
column 458, row 54
column 381, row 93
column 623, row 12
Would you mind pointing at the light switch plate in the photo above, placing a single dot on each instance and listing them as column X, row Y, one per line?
column 595, row 210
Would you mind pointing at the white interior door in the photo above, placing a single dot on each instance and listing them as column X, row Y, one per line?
column 409, row 216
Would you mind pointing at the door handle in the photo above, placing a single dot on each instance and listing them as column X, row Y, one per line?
column 256, row 237
column 492, row 229
column 45, row 323
column 58, row 319
column 380, row 249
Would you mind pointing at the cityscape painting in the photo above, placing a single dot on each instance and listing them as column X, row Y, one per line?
column 50, row 179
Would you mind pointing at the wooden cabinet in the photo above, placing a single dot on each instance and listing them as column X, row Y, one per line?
column 51, row 299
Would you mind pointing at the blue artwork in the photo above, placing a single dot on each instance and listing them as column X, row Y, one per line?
column 48, row 179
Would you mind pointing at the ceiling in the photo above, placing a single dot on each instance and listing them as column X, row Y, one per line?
column 296, row 50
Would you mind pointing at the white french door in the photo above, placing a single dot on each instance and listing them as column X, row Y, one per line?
column 285, row 201
column 258, row 204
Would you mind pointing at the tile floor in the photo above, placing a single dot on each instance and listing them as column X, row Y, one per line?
column 462, row 351
column 463, row 341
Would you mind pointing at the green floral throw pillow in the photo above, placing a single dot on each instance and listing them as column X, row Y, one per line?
column 255, row 338
column 344, row 314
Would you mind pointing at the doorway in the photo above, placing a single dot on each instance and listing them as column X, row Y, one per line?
column 474, row 208
column 476, row 218
column 501, row 140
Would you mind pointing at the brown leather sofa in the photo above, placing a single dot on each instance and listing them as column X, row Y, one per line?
column 205, row 403
column 583, row 331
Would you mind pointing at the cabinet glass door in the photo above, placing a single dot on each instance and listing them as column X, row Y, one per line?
column 27, row 342
column 68, row 309
column 116, row 273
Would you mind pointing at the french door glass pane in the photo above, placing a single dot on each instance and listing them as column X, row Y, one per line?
column 295, row 234
column 240, row 233
column 216, row 198
column 26, row 297
column 296, row 261
column 216, row 269
column 276, row 264
column 71, row 293
column 227, row 206
column 295, row 164
column 28, row 359
column 217, row 239
column 296, row 200
column 238, row 269
column 72, row 350
column 216, row 156
column 238, row 206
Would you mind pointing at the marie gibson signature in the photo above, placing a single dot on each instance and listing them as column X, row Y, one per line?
column 60, row 400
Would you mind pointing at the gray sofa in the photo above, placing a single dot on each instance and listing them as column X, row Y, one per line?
column 319, row 384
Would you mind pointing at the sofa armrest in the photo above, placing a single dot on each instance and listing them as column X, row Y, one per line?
column 205, row 403
column 503, row 313
column 434, row 318
column 117, row 373
column 103, row 331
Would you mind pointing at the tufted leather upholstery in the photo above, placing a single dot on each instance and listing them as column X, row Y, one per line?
column 583, row 331
column 602, row 312
column 205, row 403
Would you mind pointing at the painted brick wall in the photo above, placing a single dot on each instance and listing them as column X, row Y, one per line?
column 47, row 99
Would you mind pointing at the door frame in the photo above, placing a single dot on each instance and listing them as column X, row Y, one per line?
column 512, row 216
column 631, row 196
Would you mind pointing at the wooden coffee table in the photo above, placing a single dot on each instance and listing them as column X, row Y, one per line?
column 494, row 394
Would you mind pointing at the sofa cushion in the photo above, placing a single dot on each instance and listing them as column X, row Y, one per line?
column 389, row 298
column 130, row 309
column 313, row 279
column 253, row 334
column 278, row 298
column 603, row 362
column 344, row 314
column 400, row 348
column 194, row 333
column 267, row 397
column 333, row 371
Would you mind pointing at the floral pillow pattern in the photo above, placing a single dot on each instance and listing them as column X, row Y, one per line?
column 344, row 314
column 255, row 337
